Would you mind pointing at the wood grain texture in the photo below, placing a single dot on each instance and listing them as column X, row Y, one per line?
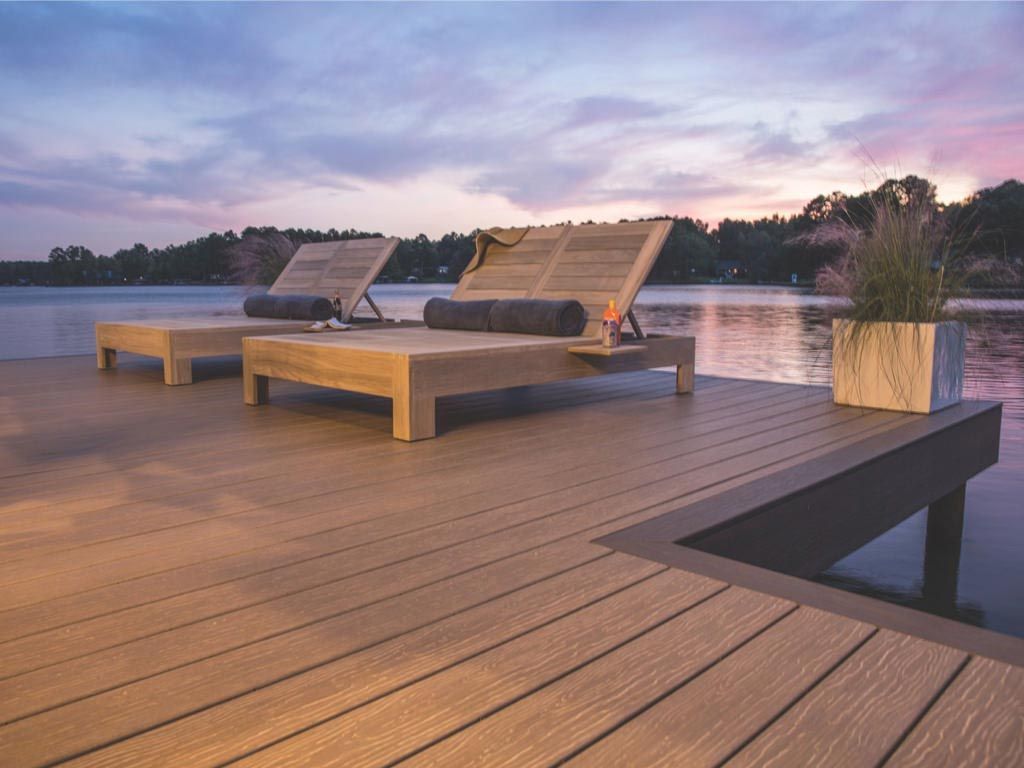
column 708, row 718
column 857, row 714
column 388, row 728
column 264, row 716
column 229, row 579
column 571, row 711
column 978, row 720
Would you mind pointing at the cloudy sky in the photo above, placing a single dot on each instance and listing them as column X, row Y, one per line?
column 159, row 122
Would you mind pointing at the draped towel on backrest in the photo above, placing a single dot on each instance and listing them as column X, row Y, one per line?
column 498, row 235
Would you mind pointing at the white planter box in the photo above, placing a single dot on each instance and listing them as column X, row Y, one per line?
column 912, row 367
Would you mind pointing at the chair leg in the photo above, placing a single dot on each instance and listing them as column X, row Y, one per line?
column 684, row 378
column 413, row 417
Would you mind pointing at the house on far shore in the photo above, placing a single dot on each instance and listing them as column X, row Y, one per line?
column 730, row 269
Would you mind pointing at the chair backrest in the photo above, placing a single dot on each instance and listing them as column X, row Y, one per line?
column 345, row 267
column 510, row 272
column 592, row 263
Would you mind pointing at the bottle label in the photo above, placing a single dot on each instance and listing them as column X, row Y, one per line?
column 609, row 333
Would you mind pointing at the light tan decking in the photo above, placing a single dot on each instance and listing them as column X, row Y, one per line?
column 190, row 582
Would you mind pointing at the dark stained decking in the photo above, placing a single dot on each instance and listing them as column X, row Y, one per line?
column 187, row 581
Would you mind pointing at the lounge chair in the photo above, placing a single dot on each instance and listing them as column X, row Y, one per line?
column 415, row 366
column 347, row 267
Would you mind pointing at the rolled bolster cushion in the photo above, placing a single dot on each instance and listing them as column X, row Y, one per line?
column 288, row 307
column 458, row 315
column 542, row 317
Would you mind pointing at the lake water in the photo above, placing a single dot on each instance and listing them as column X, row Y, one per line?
column 777, row 334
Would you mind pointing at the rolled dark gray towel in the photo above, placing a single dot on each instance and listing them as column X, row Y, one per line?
column 288, row 307
column 458, row 315
column 542, row 317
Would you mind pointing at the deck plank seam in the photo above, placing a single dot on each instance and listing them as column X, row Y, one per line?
column 689, row 678
column 328, row 430
column 682, row 438
column 520, row 431
column 360, row 649
column 369, row 441
column 898, row 742
column 816, row 448
column 688, row 493
column 123, row 683
column 798, row 698
column 348, row 576
column 320, row 426
column 631, row 638
column 313, row 419
column 294, row 628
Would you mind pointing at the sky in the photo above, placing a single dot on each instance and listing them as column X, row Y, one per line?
column 157, row 123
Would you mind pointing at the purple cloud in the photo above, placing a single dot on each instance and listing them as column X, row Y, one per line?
column 200, row 113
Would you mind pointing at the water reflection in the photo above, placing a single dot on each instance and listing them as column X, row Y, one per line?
column 777, row 334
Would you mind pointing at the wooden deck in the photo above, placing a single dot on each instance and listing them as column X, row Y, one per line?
column 187, row 581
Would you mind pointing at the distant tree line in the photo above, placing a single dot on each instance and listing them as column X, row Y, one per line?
column 771, row 249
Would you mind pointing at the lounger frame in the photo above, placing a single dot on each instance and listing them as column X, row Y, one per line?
column 346, row 267
column 593, row 263
column 447, row 363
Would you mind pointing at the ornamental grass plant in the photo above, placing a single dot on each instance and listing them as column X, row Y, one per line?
column 903, row 268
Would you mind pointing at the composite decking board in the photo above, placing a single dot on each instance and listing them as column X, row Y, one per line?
column 314, row 590
column 617, row 524
column 298, row 459
column 86, row 523
column 165, row 408
column 250, row 459
column 134, row 511
column 860, row 711
column 320, row 429
column 566, row 712
column 265, row 715
column 705, row 720
column 322, row 432
column 348, row 558
column 260, row 426
column 455, row 646
column 304, row 675
column 136, row 589
column 353, row 498
column 25, row 621
column 977, row 720
column 450, row 617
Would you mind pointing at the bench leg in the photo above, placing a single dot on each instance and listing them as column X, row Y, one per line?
column 177, row 372
column 413, row 417
column 684, row 378
column 105, row 357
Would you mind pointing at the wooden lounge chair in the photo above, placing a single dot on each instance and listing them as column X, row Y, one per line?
column 415, row 366
column 347, row 267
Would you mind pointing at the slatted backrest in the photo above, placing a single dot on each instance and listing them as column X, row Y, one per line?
column 345, row 267
column 592, row 263
column 600, row 262
column 511, row 272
